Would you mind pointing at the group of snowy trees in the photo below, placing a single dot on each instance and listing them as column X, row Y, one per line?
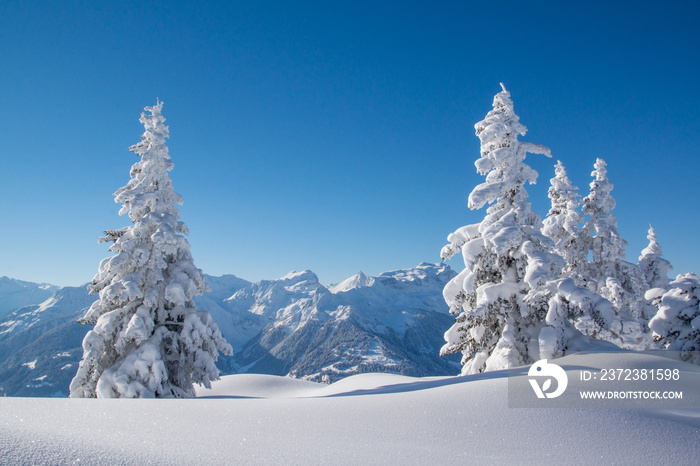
column 149, row 339
column 535, row 289
column 531, row 289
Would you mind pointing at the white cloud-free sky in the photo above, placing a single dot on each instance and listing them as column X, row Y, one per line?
column 335, row 137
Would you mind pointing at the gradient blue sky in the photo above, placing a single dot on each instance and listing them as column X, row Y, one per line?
column 335, row 136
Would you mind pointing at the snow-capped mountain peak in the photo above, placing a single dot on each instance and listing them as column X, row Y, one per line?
column 358, row 280
column 295, row 277
column 300, row 282
column 393, row 322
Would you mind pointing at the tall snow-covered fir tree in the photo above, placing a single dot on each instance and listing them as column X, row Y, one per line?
column 499, row 310
column 606, row 244
column 149, row 339
column 609, row 275
column 562, row 224
column 652, row 264
column 676, row 325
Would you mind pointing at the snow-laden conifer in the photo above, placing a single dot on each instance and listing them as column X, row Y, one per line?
column 652, row 264
column 499, row 310
column 149, row 339
column 606, row 245
column 562, row 224
column 608, row 274
column 676, row 325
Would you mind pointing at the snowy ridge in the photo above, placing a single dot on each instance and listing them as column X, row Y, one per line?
column 390, row 323
column 17, row 293
column 65, row 299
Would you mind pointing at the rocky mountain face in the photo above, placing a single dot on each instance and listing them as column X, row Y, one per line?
column 390, row 323
column 291, row 326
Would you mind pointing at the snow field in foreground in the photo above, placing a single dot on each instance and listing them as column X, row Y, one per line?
column 365, row 419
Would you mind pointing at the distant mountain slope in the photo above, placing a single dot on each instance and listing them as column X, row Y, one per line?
column 390, row 323
column 291, row 326
column 17, row 293
column 41, row 345
column 233, row 327
column 46, row 365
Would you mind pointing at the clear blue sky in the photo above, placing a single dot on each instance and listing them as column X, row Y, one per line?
column 335, row 136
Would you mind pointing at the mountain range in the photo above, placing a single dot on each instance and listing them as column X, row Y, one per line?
column 292, row 326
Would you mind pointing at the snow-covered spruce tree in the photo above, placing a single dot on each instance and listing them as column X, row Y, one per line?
column 496, row 299
column 606, row 244
column 676, row 325
column 562, row 225
column 652, row 264
column 149, row 338
column 608, row 273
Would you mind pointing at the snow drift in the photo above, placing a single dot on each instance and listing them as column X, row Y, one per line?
column 363, row 419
